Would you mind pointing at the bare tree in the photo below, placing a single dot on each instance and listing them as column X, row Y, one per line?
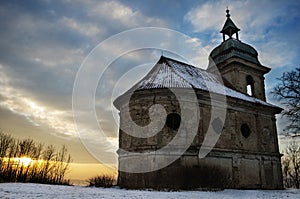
column 287, row 91
column 25, row 147
column 5, row 142
column 46, row 165
column 63, row 160
column 291, row 166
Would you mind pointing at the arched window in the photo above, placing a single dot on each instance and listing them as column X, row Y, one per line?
column 250, row 85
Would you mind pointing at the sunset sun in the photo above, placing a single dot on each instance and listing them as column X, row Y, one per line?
column 25, row 161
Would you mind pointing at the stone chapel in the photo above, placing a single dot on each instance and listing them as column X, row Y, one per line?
column 246, row 155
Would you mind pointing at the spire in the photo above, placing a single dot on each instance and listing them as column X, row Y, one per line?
column 229, row 27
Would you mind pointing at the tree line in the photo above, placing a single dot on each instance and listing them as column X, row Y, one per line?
column 291, row 166
column 23, row 160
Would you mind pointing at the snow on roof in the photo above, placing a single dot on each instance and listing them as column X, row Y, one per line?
column 170, row 73
column 163, row 76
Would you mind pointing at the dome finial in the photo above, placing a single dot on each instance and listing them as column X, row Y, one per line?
column 227, row 11
column 229, row 27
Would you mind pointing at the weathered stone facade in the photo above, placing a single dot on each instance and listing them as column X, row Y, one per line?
column 252, row 162
column 246, row 154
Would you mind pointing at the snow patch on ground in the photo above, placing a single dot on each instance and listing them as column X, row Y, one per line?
column 19, row 190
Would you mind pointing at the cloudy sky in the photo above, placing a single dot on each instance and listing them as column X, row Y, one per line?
column 44, row 43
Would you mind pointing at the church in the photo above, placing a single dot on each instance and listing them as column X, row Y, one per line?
column 246, row 153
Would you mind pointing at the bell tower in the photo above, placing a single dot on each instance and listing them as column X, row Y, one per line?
column 238, row 62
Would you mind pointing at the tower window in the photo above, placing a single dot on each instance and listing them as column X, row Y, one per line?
column 250, row 85
column 249, row 90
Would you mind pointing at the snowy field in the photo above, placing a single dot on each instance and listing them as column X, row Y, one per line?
column 19, row 190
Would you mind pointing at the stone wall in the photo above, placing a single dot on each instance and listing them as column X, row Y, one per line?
column 251, row 161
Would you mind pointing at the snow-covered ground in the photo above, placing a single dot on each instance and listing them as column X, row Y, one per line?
column 19, row 190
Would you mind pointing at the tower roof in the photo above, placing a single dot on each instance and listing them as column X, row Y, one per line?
column 234, row 48
column 229, row 27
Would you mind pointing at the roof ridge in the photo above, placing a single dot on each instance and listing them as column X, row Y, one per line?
column 195, row 68
column 180, row 62
column 176, row 72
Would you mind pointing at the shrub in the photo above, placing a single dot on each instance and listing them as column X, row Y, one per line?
column 102, row 181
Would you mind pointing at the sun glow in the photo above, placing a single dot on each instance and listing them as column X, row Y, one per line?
column 25, row 161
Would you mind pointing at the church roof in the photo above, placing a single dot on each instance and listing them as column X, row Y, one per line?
column 170, row 73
